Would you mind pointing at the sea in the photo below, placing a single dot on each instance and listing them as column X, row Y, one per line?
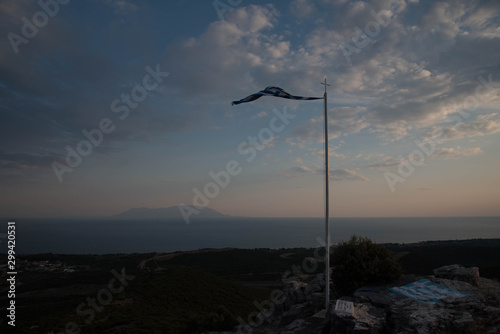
column 106, row 236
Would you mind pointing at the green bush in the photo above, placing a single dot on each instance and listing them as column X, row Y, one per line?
column 359, row 262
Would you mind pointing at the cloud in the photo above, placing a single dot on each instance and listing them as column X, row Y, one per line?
column 121, row 6
column 343, row 121
column 388, row 163
column 331, row 153
column 455, row 152
column 65, row 78
column 483, row 125
column 414, row 74
column 417, row 70
column 12, row 10
column 303, row 9
column 261, row 144
column 346, row 174
column 385, row 163
column 302, row 169
column 24, row 161
column 225, row 54
column 392, row 131
column 340, row 174
column 259, row 115
column 370, row 156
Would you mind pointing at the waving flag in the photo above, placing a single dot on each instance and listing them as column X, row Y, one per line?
column 273, row 91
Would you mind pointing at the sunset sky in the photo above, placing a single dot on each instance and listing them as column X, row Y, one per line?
column 140, row 92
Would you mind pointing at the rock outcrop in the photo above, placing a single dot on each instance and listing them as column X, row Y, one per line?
column 459, row 273
column 380, row 310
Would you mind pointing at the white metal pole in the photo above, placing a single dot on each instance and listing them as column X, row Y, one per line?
column 327, row 209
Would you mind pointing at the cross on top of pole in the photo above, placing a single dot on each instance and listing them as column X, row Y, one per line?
column 324, row 83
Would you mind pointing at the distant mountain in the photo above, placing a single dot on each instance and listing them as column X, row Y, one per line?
column 172, row 212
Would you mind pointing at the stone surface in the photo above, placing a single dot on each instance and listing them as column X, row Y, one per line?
column 297, row 310
column 478, row 312
column 459, row 273
column 366, row 318
column 297, row 326
column 317, row 300
column 317, row 284
column 294, row 293
column 378, row 310
column 424, row 318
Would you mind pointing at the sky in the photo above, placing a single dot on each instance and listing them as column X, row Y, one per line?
column 108, row 105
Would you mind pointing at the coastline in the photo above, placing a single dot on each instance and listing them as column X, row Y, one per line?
column 143, row 236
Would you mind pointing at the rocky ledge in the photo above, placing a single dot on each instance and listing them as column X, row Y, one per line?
column 380, row 310
column 473, row 306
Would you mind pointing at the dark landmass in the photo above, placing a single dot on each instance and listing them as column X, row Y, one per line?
column 184, row 292
column 421, row 258
column 172, row 212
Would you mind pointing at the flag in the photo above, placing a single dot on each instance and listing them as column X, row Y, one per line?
column 273, row 91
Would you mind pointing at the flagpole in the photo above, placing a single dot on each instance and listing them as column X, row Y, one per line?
column 327, row 208
column 278, row 92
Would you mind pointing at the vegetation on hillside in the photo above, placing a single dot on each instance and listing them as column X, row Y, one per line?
column 178, row 300
column 360, row 261
column 244, row 264
column 422, row 258
column 199, row 291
